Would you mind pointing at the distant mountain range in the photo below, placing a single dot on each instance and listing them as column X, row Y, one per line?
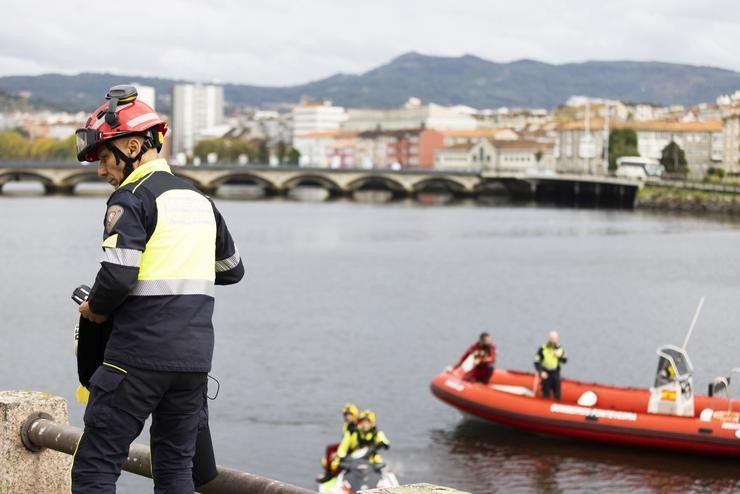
column 466, row 80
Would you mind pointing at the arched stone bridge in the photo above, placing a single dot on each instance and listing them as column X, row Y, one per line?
column 60, row 177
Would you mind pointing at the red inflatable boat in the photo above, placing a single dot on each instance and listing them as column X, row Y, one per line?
column 667, row 416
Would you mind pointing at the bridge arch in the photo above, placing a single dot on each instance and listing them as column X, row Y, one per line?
column 244, row 178
column 26, row 176
column 440, row 184
column 86, row 176
column 377, row 182
column 313, row 180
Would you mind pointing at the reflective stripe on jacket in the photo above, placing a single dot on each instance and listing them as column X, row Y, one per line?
column 358, row 439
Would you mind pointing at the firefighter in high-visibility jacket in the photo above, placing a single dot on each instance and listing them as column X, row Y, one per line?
column 165, row 246
column 547, row 362
column 366, row 435
column 350, row 413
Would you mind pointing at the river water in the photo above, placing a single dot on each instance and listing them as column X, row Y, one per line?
column 366, row 303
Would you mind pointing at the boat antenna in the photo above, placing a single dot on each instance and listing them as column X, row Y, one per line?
column 693, row 323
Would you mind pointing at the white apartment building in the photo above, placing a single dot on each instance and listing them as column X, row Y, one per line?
column 147, row 94
column 308, row 120
column 195, row 109
column 429, row 116
column 315, row 117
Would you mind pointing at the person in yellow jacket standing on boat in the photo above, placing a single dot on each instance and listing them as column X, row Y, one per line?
column 547, row 361
column 366, row 435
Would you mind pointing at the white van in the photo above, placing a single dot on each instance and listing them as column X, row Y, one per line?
column 638, row 167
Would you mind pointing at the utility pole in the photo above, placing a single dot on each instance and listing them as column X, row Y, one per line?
column 675, row 154
column 607, row 111
column 587, row 136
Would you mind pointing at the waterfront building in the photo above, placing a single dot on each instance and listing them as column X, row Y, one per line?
column 731, row 138
column 497, row 155
column 454, row 137
column 403, row 148
column 196, row 108
column 309, row 120
column 580, row 149
column 147, row 94
column 412, row 116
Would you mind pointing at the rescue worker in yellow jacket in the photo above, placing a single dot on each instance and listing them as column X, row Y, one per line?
column 547, row 362
column 350, row 413
column 366, row 435
column 165, row 246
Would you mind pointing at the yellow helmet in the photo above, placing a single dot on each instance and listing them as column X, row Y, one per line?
column 352, row 409
column 368, row 415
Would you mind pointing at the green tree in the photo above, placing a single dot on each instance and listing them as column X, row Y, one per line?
column 716, row 171
column 622, row 142
column 538, row 155
column 66, row 149
column 673, row 158
column 280, row 151
column 13, row 146
column 205, row 147
column 294, row 156
column 42, row 148
column 263, row 153
column 228, row 149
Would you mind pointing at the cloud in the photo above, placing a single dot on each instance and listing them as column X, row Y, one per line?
column 283, row 42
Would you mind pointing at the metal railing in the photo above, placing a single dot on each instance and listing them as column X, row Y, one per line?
column 39, row 432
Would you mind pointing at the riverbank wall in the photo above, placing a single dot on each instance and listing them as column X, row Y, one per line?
column 689, row 200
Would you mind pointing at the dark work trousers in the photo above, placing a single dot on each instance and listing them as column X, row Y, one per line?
column 551, row 383
column 481, row 374
column 121, row 399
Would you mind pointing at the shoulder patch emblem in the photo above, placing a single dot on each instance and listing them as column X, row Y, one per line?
column 112, row 216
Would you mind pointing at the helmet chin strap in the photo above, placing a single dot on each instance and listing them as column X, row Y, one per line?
column 128, row 166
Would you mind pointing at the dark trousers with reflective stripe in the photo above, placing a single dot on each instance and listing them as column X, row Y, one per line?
column 119, row 405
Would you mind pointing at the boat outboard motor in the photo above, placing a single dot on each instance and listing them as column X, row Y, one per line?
column 673, row 391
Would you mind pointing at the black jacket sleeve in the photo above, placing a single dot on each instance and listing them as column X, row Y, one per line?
column 229, row 266
column 124, row 240
column 538, row 359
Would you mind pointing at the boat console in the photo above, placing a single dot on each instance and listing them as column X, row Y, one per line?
column 673, row 392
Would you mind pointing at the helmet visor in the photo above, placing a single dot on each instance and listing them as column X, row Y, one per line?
column 87, row 141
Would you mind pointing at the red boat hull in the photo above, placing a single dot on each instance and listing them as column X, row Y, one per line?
column 618, row 417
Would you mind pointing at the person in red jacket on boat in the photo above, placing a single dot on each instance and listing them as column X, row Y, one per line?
column 484, row 359
column 547, row 361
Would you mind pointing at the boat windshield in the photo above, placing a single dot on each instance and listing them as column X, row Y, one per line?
column 673, row 365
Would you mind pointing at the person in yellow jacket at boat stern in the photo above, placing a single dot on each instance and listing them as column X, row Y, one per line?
column 547, row 362
column 366, row 435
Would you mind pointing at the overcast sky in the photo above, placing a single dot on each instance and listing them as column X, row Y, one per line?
column 284, row 42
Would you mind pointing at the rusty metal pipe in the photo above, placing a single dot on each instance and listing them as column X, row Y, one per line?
column 41, row 432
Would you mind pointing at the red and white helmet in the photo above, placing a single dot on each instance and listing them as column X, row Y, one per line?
column 121, row 116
